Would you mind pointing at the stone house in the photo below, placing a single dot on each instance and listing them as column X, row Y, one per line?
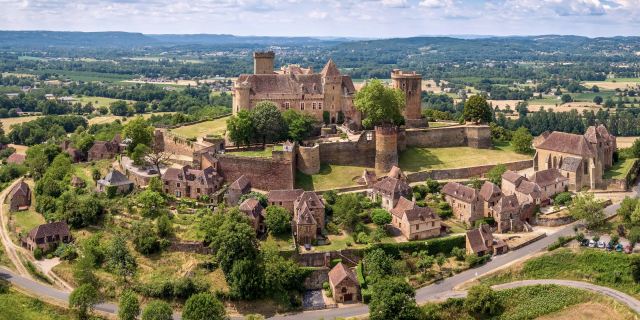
column 506, row 212
column 398, row 174
column 44, row 235
column 16, row 158
column 20, row 197
column 540, row 139
column 491, row 194
column 390, row 190
column 76, row 182
column 115, row 178
column 368, row 178
column 344, row 284
column 187, row 182
column 308, row 217
column 480, row 241
column 550, row 182
column 283, row 198
column 75, row 154
column 254, row 210
column 237, row 189
column 466, row 202
column 102, row 150
column 415, row 222
column 525, row 190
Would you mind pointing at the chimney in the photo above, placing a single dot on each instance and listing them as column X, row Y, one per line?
column 310, row 70
column 413, row 199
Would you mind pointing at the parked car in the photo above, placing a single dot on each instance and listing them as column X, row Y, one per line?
column 152, row 171
column 627, row 250
column 592, row 244
column 585, row 242
column 619, row 247
column 307, row 246
column 609, row 246
column 601, row 244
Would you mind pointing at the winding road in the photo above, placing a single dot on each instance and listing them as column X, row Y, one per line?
column 438, row 291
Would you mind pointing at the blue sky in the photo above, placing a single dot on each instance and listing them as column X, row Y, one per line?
column 349, row 18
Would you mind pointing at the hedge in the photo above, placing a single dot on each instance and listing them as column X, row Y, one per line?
column 363, row 284
column 334, row 262
column 433, row 247
column 561, row 242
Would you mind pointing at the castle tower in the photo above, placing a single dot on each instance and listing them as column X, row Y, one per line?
column 263, row 62
column 386, row 147
column 411, row 85
column 241, row 93
column 332, row 88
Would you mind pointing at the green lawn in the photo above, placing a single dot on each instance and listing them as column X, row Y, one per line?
column 623, row 80
column 15, row 305
column 330, row 176
column 27, row 220
column 619, row 170
column 545, row 102
column 415, row 159
column 218, row 126
column 339, row 242
column 265, row 153
column 588, row 96
column 438, row 124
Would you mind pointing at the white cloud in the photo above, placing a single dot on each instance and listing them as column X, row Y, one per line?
column 315, row 14
column 434, row 4
column 577, row 7
column 395, row 3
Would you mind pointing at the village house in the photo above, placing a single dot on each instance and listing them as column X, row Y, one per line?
column 254, row 210
column 480, row 241
column 368, row 178
column 237, row 189
column 343, row 283
column 102, row 150
column 20, row 197
column 550, row 182
column 416, row 222
column 398, row 174
column 540, row 139
column 76, row 182
column 44, row 235
column 521, row 187
column 467, row 203
column 308, row 217
column 283, row 198
column 115, row 178
column 491, row 194
column 390, row 190
column 75, row 154
column 506, row 213
column 187, row 182
column 16, row 158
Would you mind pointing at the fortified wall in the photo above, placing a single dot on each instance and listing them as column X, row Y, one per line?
column 275, row 173
column 473, row 136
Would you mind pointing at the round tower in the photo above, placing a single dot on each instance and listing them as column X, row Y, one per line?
column 308, row 159
column 241, row 93
column 386, row 147
column 411, row 84
column 263, row 62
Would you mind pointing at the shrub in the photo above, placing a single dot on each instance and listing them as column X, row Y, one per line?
column 314, row 242
column 37, row 253
column 366, row 296
column 459, row 253
column 334, row 262
column 363, row 238
column 348, row 243
column 615, row 239
column 489, row 220
column 325, row 285
column 343, row 136
column 580, row 236
column 561, row 242
column 329, row 294
column 596, row 238
column 474, row 260
column 562, row 198
column 164, row 243
column 49, row 256
column 433, row 247
column 361, row 281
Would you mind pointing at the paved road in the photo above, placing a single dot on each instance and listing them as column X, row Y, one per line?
column 438, row 291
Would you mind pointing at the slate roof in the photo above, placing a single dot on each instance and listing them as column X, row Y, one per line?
column 21, row 189
column 478, row 237
column 606, row 134
column 567, row 143
column 115, row 178
column 507, row 203
column 545, row 134
column 305, row 217
column 571, row 164
column 75, row 181
column 240, row 184
column 413, row 212
column 488, row 189
column 392, row 188
column 460, row 192
column 330, row 70
column 60, row 229
column 16, row 158
column 339, row 273
column 547, row 177
column 311, row 199
column 284, row 195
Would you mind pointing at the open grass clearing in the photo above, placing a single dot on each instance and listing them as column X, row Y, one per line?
column 439, row 124
column 588, row 96
column 111, row 118
column 415, row 159
column 99, row 101
column 25, row 221
column 5, row 260
column 610, row 85
column 619, row 170
column 339, row 241
column 330, row 176
column 18, row 306
column 217, row 126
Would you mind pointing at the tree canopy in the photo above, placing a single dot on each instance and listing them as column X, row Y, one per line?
column 477, row 108
column 380, row 103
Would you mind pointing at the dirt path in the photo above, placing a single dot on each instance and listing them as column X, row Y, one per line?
column 12, row 250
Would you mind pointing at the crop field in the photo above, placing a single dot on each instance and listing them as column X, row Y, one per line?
column 98, row 101
column 623, row 80
column 625, row 142
column 588, row 96
column 7, row 122
column 81, row 75
column 29, row 58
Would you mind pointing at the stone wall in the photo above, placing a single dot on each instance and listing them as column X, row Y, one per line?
column 361, row 153
column 308, row 159
column 614, row 184
column 552, row 222
column 542, row 236
column 137, row 179
column 264, row 173
column 453, row 136
column 386, row 147
column 466, row 172
column 315, row 280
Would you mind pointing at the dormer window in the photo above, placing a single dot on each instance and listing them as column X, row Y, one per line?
column 200, row 180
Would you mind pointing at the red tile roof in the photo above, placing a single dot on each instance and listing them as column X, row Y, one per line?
column 330, row 70
column 16, row 158
column 413, row 212
column 478, row 237
column 506, row 204
column 21, row 189
column 339, row 273
column 392, row 188
column 56, row 230
column 241, row 184
column 488, row 190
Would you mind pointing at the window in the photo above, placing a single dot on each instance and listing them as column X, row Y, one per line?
column 238, row 108
column 280, row 202
column 166, row 190
column 344, row 289
column 417, row 227
column 333, row 107
column 197, row 190
column 369, row 136
column 178, row 193
column 586, row 168
column 334, row 87
column 166, row 183
column 433, row 223
column 178, row 184
column 273, row 203
column 313, row 106
column 333, row 98
column 286, row 105
column 320, row 105
column 301, row 105
column 545, row 188
column 199, row 181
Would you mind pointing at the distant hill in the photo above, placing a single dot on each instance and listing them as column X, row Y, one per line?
column 73, row 38
column 220, row 39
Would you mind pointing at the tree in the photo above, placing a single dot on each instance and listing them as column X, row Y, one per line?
column 280, row 275
column 234, row 240
column 85, row 144
column 139, row 131
column 595, row 89
column 521, row 141
column 128, row 306
column 157, row 310
column 609, row 103
column 635, row 149
column 118, row 108
column 95, row 174
column 566, row 98
column 298, row 125
column 482, row 299
column 476, row 183
column 330, row 196
column 240, row 128
column 392, row 299
column 204, row 306
column 151, row 201
column 477, row 108
column 246, row 280
column 83, row 270
column 381, row 217
column 326, row 117
column 347, row 208
column 495, row 175
column 379, row 263
column 155, row 157
column 267, row 121
column 88, row 108
column 140, row 106
column 586, row 207
column 425, row 261
column 37, row 253
column 634, row 236
column 380, row 103
column 155, row 184
column 164, row 226
column 278, row 220
column 83, row 299
column 119, row 258
column 145, row 239
column 255, row 195
column 598, row 100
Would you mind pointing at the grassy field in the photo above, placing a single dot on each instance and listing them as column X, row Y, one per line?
column 15, row 305
column 623, row 80
column 7, row 122
column 265, row 153
column 588, row 96
column 619, row 170
column 218, row 126
column 330, row 176
column 5, row 261
column 419, row 159
column 99, row 101
column 111, row 118
column 625, row 142
column 439, row 124
column 28, row 219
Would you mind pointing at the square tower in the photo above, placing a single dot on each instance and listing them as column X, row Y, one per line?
column 263, row 62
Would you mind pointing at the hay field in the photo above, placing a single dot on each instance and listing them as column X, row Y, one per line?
column 6, row 123
column 19, row 148
column 99, row 101
column 625, row 142
column 609, row 85
column 179, row 83
column 111, row 118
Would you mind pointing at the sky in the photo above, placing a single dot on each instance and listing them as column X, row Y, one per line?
column 336, row 18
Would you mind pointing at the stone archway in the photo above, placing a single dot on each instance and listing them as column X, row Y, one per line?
column 333, row 120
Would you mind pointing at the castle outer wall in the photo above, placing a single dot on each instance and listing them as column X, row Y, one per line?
column 276, row 173
column 478, row 137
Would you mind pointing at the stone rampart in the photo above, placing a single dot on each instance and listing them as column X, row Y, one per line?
column 464, row 173
column 454, row 136
column 308, row 159
column 264, row 173
column 361, row 153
